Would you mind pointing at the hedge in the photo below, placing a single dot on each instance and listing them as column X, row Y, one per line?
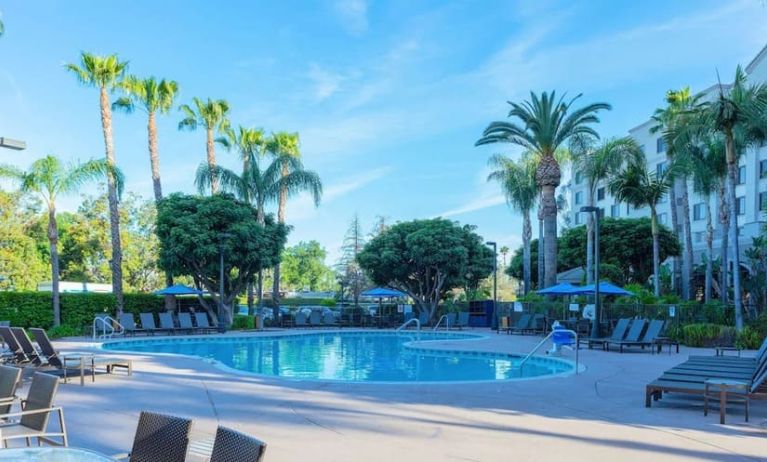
column 34, row 309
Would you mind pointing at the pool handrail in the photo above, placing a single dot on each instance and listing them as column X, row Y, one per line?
column 408, row 322
column 447, row 322
column 565, row 331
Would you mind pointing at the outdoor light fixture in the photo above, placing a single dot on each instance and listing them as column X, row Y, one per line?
column 595, row 325
column 494, row 323
column 9, row 143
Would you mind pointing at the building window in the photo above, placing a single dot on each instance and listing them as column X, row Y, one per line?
column 742, row 174
column 600, row 194
column 578, row 177
column 579, row 198
column 601, row 213
column 699, row 211
column 661, row 145
column 661, row 168
column 740, row 205
column 662, row 218
column 763, row 201
column 615, row 210
column 763, row 169
column 699, row 236
column 578, row 218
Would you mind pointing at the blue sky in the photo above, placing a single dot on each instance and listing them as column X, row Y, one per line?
column 388, row 97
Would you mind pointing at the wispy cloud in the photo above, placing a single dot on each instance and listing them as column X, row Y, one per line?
column 353, row 15
column 474, row 205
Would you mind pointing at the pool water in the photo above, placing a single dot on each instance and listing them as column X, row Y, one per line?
column 352, row 356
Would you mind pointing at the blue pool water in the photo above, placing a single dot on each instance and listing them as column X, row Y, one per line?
column 351, row 356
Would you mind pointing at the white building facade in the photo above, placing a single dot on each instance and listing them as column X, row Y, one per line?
column 751, row 191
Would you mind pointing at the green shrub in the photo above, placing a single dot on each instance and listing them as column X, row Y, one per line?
column 749, row 339
column 329, row 302
column 63, row 331
column 669, row 299
column 531, row 297
column 759, row 325
column 242, row 322
column 708, row 335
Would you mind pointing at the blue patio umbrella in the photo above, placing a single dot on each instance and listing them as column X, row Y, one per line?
column 605, row 288
column 564, row 288
column 382, row 292
column 178, row 289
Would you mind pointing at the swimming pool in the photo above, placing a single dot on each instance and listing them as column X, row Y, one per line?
column 356, row 356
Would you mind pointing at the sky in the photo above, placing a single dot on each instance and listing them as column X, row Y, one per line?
column 388, row 96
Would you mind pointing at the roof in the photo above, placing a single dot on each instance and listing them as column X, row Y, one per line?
column 757, row 59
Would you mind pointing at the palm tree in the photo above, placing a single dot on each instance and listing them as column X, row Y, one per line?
column 153, row 96
column 105, row 73
column 670, row 121
column 517, row 180
column 639, row 187
column 49, row 178
column 737, row 113
column 543, row 124
column 599, row 163
column 211, row 114
column 285, row 149
column 504, row 250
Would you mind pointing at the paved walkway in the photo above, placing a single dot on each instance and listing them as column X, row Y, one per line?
column 598, row 415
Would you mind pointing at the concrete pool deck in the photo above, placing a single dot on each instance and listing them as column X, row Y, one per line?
column 596, row 415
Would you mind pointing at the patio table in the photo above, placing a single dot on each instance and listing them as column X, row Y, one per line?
column 52, row 455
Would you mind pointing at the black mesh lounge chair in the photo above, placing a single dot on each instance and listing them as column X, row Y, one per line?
column 233, row 446
column 185, row 323
column 26, row 346
column 159, row 438
column 148, row 325
column 618, row 333
column 653, row 331
column 48, row 352
column 33, row 422
column 329, row 320
column 633, row 336
column 166, row 322
column 9, row 380
column 522, row 324
column 202, row 322
column 16, row 353
column 129, row 324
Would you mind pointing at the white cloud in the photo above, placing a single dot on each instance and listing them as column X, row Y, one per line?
column 353, row 15
column 474, row 205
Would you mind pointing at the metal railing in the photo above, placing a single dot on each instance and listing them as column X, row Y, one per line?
column 447, row 322
column 107, row 325
column 410, row 321
column 565, row 331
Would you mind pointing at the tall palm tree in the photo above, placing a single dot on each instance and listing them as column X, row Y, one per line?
column 517, row 180
column 285, row 149
column 543, row 124
column 49, row 178
column 212, row 115
column 597, row 163
column 737, row 113
column 153, row 96
column 639, row 187
column 504, row 251
column 105, row 74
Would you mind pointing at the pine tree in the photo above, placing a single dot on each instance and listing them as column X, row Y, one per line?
column 350, row 273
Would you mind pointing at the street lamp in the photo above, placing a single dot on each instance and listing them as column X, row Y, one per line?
column 595, row 325
column 9, row 143
column 494, row 322
column 221, row 318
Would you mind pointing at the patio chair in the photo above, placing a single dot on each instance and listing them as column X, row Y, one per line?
column 36, row 413
column 148, row 325
column 48, row 352
column 201, row 319
column 462, row 320
column 299, row 320
column 167, row 323
column 26, row 346
column 618, row 333
column 159, row 438
column 231, row 445
column 423, row 319
column 315, row 319
column 129, row 324
column 15, row 354
column 185, row 323
column 537, row 325
column 635, row 332
column 10, row 377
column 648, row 340
column 450, row 320
column 328, row 319
column 522, row 325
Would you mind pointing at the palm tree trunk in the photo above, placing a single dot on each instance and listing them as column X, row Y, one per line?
column 709, row 251
column 732, row 179
column 655, row 251
column 676, row 276
column 211, row 149
column 724, row 220
column 154, row 157
column 687, row 258
column 527, row 232
column 541, row 241
column 114, row 213
column 53, row 239
column 549, row 236
column 283, row 199
column 590, row 237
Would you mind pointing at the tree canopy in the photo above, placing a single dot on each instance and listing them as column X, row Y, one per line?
column 193, row 230
column 303, row 267
column 427, row 258
column 624, row 243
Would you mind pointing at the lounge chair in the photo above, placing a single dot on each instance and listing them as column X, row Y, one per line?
column 167, row 323
column 53, row 359
column 148, row 325
column 33, row 422
column 201, row 319
column 26, row 346
column 328, row 319
column 423, row 318
column 129, row 324
column 16, row 354
column 159, row 437
column 231, row 445
column 632, row 337
column 10, row 377
column 619, row 332
column 315, row 319
column 537, row 324
column 462, row 320
column 185, row 323
column 653, row 331
column 299, row 320
column 450, row 320
column 522, row 325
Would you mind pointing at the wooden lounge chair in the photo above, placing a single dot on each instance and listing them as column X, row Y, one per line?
column 159, row 437
column 10, row 377
column 129, row 324
column 619, row 332
column 632, row 337
column 33, row 422
column 757, row 387
column 231, row 445
column 201, row 319
column 167, row 323
column 522, row 325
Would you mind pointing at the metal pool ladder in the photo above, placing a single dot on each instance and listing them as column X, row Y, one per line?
column 561, row 331
column 410, row 321
column 447, row 322
column 107, row 325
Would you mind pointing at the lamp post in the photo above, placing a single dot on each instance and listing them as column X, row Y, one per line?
column 494, row 322
column 221, row 318
column 595, row 325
